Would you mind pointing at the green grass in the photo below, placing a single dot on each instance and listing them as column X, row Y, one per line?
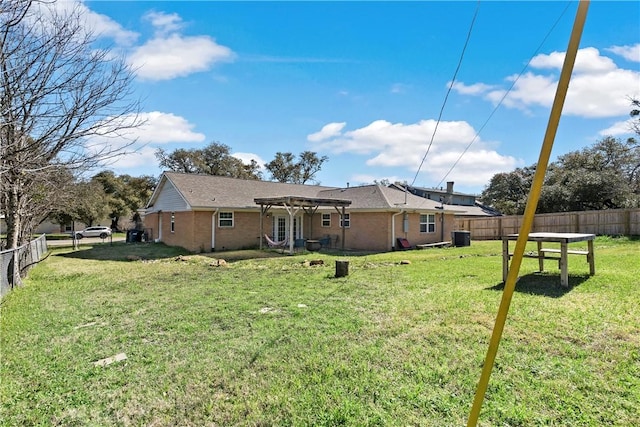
column 268, row 340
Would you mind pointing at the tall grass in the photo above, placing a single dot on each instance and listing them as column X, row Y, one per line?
column 400, row 341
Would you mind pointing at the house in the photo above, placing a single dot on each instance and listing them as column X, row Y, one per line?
column 467, row 204
column 206, row 213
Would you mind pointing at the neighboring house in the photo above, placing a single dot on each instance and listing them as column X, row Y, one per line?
column 466, row 204
column 50, row 227
column 206, row 213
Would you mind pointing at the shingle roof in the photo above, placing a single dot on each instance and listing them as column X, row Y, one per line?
column 477, row 210
column 378, row 197
column 209, row 191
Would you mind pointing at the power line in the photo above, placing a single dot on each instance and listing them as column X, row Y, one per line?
column 475, row 137
column 466, row 43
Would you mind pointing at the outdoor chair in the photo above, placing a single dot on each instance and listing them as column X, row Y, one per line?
column 325, row 242
column 299, row 244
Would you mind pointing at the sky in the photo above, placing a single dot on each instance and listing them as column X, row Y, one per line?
column 424, row 92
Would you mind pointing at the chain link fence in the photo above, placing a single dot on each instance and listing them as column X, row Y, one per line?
column 15, row 263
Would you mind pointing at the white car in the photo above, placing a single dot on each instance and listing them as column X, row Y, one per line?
column 100, row 231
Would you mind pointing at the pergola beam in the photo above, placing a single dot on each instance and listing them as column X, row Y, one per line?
column 292, row 204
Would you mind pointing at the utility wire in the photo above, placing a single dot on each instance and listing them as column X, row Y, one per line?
column 555, row 24
column 466, row 43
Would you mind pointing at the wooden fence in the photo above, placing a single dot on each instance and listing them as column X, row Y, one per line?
column 610, row 222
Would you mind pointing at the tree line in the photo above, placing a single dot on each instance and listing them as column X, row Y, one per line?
column 216, row 159
column 605, row 175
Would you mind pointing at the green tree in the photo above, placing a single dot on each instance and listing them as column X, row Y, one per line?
column 309, row 164
column 214, row 159
column 125, row 194
column 508, row 191
column 285, row 168
column 87, row 203
column 603, row 176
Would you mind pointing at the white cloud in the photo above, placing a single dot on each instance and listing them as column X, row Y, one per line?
column 404, row 145
column 598, row 87
column 170, row 54
column 364, row 179
column 474, row 89
column 623, row 127
column 104, row 26
column 162, row 128
column 588, row 60
column 164, row 23
column 140, row 156
column 247, row 157
column 398, row 88
column 630, row 53
column 328, row 131
column 177, row 56
column 99, row 25
column 154, row 128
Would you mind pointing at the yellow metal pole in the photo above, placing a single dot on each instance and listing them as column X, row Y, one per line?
column 530, row 210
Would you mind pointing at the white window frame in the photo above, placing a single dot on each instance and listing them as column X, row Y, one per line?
column 347, row 220
column 428, row 226
column 326, row 219
column 222, row 216
column 173, row 222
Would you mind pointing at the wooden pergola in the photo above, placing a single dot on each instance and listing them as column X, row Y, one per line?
column 293, row 204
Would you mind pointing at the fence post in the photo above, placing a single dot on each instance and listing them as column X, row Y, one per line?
column 15, row 270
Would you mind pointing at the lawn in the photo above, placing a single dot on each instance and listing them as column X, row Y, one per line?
column 265, row 339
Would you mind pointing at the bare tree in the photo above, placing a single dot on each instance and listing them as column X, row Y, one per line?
column 61, row 100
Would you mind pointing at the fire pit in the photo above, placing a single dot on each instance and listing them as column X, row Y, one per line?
column 313, row 245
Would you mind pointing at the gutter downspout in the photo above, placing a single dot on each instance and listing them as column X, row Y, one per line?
column 393, row 228
column 213, row 229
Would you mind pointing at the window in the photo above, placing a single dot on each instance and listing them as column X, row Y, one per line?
column 280, row 230
column 428, row 223
column 225, row 219
column 326, row 220
column 173, row 222
column 347, row 220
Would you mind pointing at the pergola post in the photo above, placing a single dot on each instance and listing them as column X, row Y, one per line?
column 292, row 204
column 343, row 227
column 263, row 211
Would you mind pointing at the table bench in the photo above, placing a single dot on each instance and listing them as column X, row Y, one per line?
column 434, row 245
column 547, row 253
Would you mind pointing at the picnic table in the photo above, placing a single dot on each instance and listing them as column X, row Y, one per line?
column 564, row 239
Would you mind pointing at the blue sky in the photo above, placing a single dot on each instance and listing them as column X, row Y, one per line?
column 363, row 83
